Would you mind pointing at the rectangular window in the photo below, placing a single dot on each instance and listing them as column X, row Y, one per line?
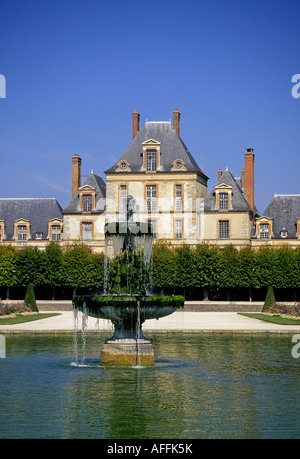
column 178, row 198
column 87, row 229
column 264, row 231
column 151, row 160
column 55, row 232
column 122, row 199
column 151, row 198
column 224, row 229
column 87, row 202
column 178, row 228
column 223, row 200
column 22, row 233
column 153, row 228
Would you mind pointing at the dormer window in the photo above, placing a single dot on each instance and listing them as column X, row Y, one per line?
column 151, row 160
column 223, row 193
column 178, row 164
column 123, row 166
column 264, row 232
column 22, row 233
column 264, row 228
column 151, row 155
column 87, row 198
column 87, row 202
column 223, row 200
column 22, row 230
column 55, row 229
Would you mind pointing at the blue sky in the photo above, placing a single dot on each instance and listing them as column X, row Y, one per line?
column 76, row 70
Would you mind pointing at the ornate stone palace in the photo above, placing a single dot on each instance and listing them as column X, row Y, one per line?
column 170, row 188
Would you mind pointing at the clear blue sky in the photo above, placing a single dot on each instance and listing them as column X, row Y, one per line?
column 76, row 70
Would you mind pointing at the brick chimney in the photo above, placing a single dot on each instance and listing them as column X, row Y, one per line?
column 249, row 177
column 219, row 174
column 76, row 174
column 176, row 121
column 135, row 123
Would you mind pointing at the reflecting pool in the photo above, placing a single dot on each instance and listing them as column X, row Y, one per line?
column 201, row 386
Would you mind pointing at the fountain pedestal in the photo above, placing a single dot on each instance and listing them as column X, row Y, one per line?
column 127, row 352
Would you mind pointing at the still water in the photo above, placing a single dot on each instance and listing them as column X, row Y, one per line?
column 201, row 386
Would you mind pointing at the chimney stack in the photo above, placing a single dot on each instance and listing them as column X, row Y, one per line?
column 135, row 123
column 76, row 174
column 219, row 174
column 249, row 177
column 176, row 121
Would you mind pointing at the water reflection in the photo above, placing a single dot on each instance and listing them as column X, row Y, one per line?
column 201, row 386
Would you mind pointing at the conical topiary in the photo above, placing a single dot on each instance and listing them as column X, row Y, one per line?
column 270, row 299
column 30, row 298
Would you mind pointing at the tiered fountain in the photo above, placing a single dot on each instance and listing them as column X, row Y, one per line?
column 128, row 298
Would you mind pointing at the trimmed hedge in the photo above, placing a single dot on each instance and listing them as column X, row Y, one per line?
column 185, row 269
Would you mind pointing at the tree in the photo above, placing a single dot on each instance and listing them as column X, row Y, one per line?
column 270, row 299
column 164, row 266
column 54, row 267
column 30, row 267
column 8, row 276
column 82, row 268
column 30, row 298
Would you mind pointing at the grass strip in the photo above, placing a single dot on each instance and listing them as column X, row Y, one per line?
column 21, row 319
column 273, row 319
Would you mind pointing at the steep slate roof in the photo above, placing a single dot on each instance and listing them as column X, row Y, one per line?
column 239, row 203
column 38, row 210
column 284, row 209
column 95, row 181
column 172, row 147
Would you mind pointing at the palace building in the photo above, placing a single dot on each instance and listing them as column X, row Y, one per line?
column 170, row 189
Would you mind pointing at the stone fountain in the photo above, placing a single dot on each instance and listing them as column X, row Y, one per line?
column 129, row 296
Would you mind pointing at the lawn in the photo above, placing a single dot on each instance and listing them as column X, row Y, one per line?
column 27, row 318
column 279, row 320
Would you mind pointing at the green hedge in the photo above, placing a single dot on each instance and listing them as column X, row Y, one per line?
column 186, row 268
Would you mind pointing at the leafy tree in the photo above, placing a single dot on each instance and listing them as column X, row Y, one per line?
column 8, row 276
column 82, row 268
column 206, row 262
column 54, row 266
column 164, row 266
column 186, row 268
column 30, row 267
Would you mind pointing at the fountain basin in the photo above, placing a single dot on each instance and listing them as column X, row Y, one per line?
column 128, row 346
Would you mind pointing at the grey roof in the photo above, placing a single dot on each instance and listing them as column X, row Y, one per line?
column 38, row 210
column 284, row 209
column 172, row 147
column 239, row 202
column 97, row 182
